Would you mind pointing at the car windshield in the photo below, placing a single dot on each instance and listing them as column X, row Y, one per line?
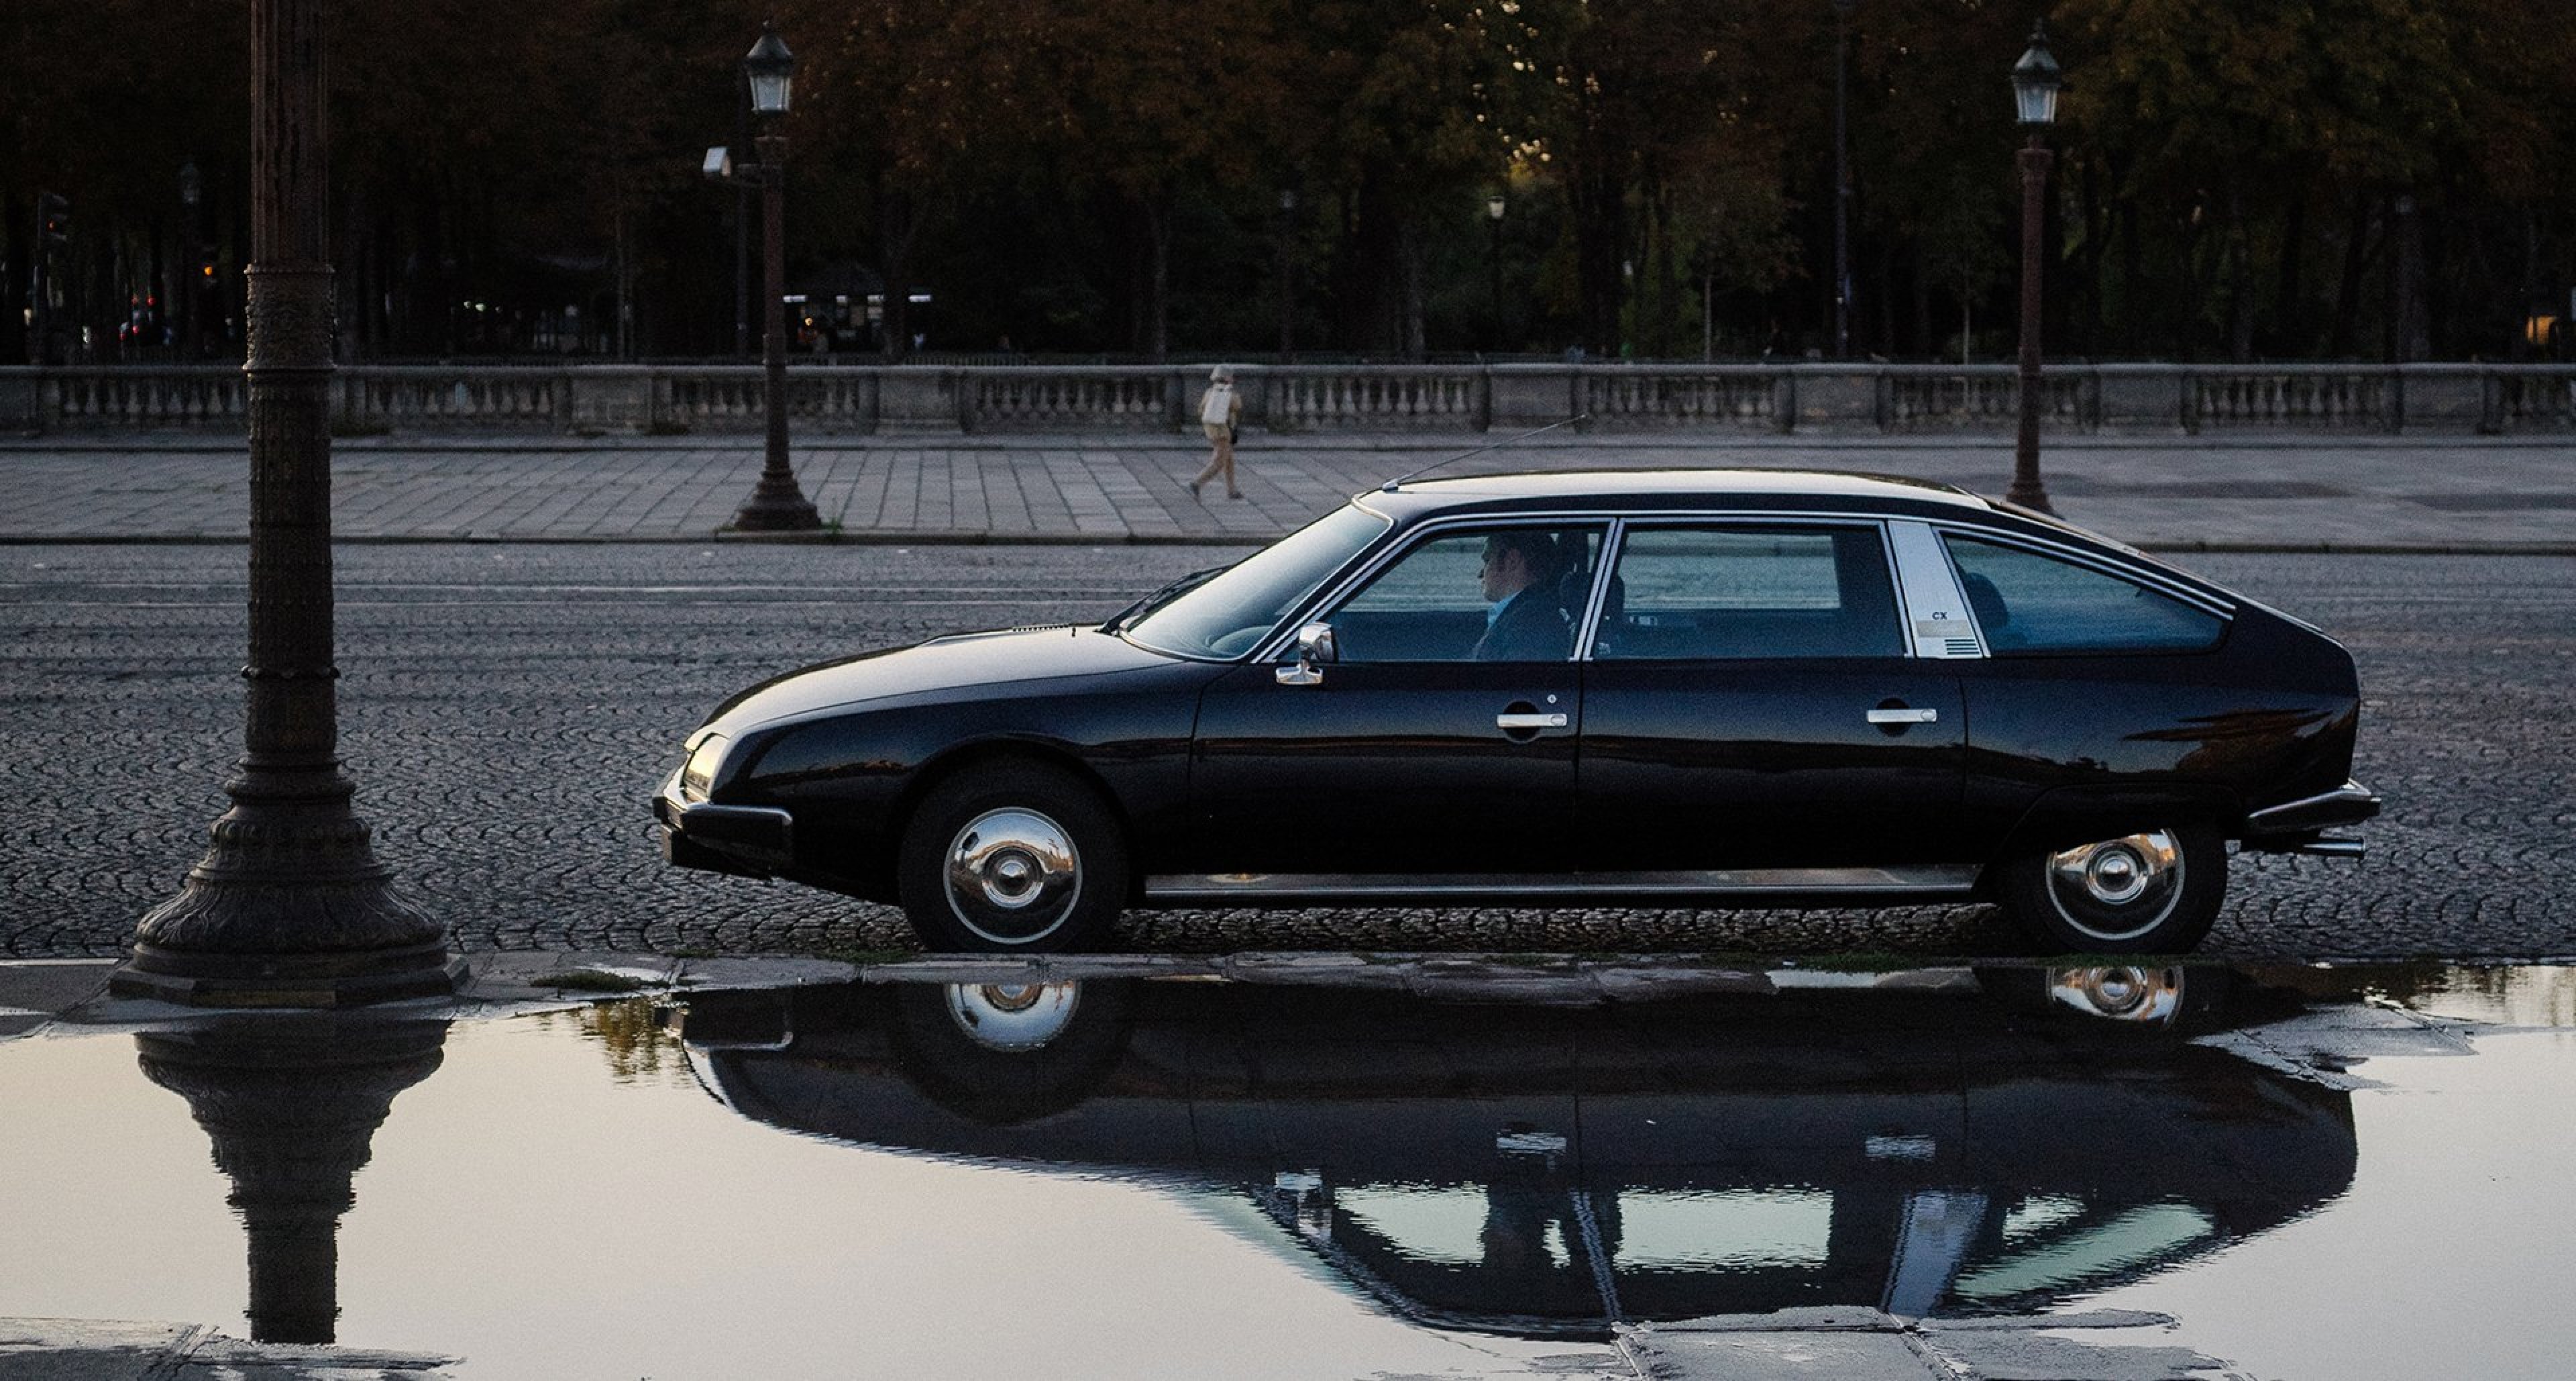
column 1225, row 614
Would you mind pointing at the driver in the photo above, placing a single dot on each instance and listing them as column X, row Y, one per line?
column 1525, row 624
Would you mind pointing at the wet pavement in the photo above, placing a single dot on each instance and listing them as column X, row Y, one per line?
column 1301, row 1166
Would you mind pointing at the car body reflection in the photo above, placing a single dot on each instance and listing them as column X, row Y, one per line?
column 1942, row 1144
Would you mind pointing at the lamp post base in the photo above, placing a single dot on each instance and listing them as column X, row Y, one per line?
column 287, row 909
column 789, row 512
column 2030, row 496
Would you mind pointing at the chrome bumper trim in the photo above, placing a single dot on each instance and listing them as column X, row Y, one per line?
column 1955, row 879
column 2349, row 804
column 2334, row 848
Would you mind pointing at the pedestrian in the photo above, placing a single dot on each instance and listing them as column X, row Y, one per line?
column 1220, row 412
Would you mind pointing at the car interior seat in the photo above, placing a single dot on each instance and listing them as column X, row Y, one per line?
column 1987, row 603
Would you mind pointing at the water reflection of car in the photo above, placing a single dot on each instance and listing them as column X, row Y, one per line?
column 1985, row 1144
column 1762, row 688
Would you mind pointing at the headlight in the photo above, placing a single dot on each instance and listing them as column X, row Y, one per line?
column 699, row 772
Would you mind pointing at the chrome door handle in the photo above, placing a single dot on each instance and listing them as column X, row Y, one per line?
column 1529, row 721
column 1904, row 716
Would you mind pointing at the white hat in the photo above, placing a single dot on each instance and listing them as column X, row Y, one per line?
column 1222, row 374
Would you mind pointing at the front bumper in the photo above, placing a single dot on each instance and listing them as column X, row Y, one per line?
column 749, row 841
column 2300, row 826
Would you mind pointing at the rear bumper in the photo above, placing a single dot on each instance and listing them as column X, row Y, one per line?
column 2299, row 826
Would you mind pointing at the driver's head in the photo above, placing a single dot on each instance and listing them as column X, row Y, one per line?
column 1516, row 559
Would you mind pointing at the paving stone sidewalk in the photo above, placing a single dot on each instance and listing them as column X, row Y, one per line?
column 2279, row 493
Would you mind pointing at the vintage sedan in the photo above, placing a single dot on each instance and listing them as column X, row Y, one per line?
column 1667, row 688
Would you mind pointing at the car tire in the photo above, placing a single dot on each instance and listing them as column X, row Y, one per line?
column 1016, row 858
column 2156, row 892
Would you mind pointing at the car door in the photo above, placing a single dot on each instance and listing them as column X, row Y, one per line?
column 1409, row 755
column 1750, row 703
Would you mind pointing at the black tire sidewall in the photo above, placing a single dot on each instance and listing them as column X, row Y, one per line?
column 2025, row 896
column 1098, row 843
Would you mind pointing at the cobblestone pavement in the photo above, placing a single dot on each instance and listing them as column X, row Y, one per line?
column 507, row 709
column 2294, row 491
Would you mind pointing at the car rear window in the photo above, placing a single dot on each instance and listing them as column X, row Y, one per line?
column 2025, row 601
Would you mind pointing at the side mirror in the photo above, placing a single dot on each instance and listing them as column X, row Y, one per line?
column 1314, row 649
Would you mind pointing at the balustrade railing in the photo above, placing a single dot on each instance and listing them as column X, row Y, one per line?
column 2290, row 396
column 947, row 398
column 1366, row 397
column 1022, row 398
column 1646, row 395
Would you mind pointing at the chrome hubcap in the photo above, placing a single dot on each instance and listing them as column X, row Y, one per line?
column 2117, row 889
column 1012, row 1016
column 1013, row 876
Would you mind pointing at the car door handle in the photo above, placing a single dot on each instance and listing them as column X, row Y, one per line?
column 1529, row 721
column 1904, row 716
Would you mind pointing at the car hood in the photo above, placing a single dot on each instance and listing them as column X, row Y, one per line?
column 959, row 662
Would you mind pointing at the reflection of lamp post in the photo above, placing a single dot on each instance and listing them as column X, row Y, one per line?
column 1495, row 206
column 1842, row 189
column 292, row 1104
column 2035, row 85
column 1287, row 273
column 777, row 505
column 289, row 906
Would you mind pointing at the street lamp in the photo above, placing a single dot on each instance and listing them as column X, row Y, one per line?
column 288, row 907
column 1495, row 206
column 776, row 505
column 1842, row 187
column 2035, row 85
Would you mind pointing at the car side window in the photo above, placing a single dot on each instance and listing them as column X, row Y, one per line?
column 2028, row 602
column 1502, row 593
column 1741, row 590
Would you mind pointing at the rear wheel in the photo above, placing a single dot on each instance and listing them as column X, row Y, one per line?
column 2152, row 893
column 1015, row 858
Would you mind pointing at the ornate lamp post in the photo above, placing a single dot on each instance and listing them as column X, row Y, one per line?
column 1495, row 205
column 289, row 907
column 2035, row 85
column 1842, row 187
column 776, row 505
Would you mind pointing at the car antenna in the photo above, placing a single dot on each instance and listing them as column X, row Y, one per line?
column 1390, row 486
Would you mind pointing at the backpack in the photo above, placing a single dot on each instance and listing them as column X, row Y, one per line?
column 1217, row 408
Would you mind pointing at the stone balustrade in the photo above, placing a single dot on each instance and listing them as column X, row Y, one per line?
column 1132, row 399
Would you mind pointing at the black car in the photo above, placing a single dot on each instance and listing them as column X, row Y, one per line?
column 1703, row 687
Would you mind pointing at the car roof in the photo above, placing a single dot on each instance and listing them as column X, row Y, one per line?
column 1675, row 487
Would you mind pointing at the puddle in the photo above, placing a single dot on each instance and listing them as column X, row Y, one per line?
column 2320, row 1173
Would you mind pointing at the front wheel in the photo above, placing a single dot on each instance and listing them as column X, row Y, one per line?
column 1012, row 858
column 2152, row 893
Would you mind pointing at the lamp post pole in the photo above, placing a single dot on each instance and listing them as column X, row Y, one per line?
column 776, row 505
column 289, row 907
column 1495, row 206
column 2035, row 86
column 1842, row 186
